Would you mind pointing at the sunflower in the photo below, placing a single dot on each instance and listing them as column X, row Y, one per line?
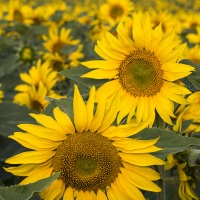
column 186, row 187
column 193, row 53
column 167, row 20
column 18, row 12
column 187, row 182
column 194, row 38
column 142, row 68
column 34, row 96
column 96, row 159
column 58, row 39
column 113, row 10
column 27, row 54
column 39, row 72
column 189, row 113
column 59, row 62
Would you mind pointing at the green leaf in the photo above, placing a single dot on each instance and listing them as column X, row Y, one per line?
column 8, row 63
column 194, row 78
column 76, row 73
column 170, row 141
column 12, row 115
column 24, row 192
column 66, row 105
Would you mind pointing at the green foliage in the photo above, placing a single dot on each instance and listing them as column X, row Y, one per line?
column 193, row 80
column 84, row 84
column 66, row 105
column 24, row 192
column 170, row 141
column 11, row 116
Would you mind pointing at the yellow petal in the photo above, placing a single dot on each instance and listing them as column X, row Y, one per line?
column 90, row 107
column 99, row 115
column 29, row 157
column 37, row 176
column 130, row 189
column 177, row 67
column 33, row 142
column 115, row 44
column 110, row 116
column 101, row 195
column 132, row 144
column 171, row 76
column 101, row 74
column 80, row 113
column 141, row 150
column 48, row 122
column 64, row 120
column 119, row 193
column 140, row 109
column 43, row 132
column 102, row 54
column 111, row 194
column 141, row 159
column 22, row 170
column 139, row 181
column 144, row 171
column 125, row 107
column 128, row 129
column 163, row 110
column 101, row 64
column 137, row 32
column 174, row 97
column 116, row 55
column 54, row 190
column 80, row 195
column 174, row 88
column 69, row 194
column 147, row 29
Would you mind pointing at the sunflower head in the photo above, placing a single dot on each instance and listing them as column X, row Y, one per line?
column 141, row 66
column 113, row 11
column 96, row 158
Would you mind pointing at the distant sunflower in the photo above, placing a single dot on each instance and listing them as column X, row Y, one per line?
column 34, row 96
column 193, row 53
column 40, row 72
column 141, row 68
column 114, row 10
column 189, row 113
column 17, row 11
column 187, row 184
column 186, row 174
column 167, row 20
column 194, row 38
column 58, row 39
column 96, row 159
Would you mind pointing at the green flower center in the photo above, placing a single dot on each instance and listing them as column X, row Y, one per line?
column 116, row 11
column 85, row 166
column 87, row 161
column 141, row 74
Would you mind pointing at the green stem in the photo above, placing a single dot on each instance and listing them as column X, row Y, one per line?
column 161, row 183
column 161, row 169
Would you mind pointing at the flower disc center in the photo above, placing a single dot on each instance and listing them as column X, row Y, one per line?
column 85, row 166
column 87, row 161
column 141, row 74
column 116, row 11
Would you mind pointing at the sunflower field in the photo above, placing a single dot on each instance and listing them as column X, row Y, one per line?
column 99, row 100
